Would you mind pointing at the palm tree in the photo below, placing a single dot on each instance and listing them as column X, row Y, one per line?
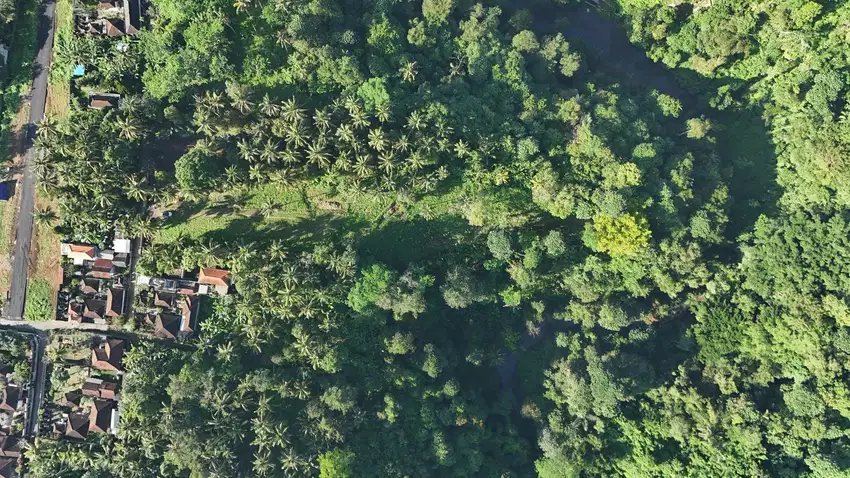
column 415, row 121
column 359, row 118
column 134, row 189
column 402, row 144
column 144, row 228
column 268, row 207
column 317, row 155
column 362, row 167
column 291, row 112
column 322, row 120
column 239, row 93
column 296, row 135
column 408, row 71
column 345, row 133
column 242, row 5
column 44, row 216
column 269, row 154
column 283, row 5
column 386, row 163
column 267, row 106
column 461, row 149
column 382, row 112
column 232, row 176
column 377, row 139
column 127, row 127
column 290, row 156
column 256, row 174
column 283, row 177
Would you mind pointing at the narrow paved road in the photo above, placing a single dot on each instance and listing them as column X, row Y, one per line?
column 36, row 389
column 38, row 99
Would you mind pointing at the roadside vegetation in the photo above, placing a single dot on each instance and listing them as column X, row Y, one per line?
column 463, row 246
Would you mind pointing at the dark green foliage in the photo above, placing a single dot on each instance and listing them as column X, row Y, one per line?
column 528, row 198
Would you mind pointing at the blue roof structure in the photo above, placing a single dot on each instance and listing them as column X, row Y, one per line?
column 79, row 70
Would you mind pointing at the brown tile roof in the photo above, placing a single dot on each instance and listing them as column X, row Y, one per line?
column 83, row 249
column 11, row 446
column 163, row 299
column 100, row 415
column 75, row 311
column 90, row 286
column 109, row 355
column 11, row 396
column 214, row 276
column 114, row 302
column 113, row 29
column 78, row 426
column 167, row 326
column 95, row 309
column 95, row 387
column 102, row 269
column 8, row 468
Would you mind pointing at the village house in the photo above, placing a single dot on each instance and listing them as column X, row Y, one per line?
column 8, row 467
column 77, row 425
column 220, row 279
column 104, row 100
column 103, row 416
column 99, row 388
column 12, row 398
column 108, row 356
column 113, row 18
column 11, row 446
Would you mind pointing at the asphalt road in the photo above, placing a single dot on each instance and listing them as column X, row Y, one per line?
column 38, row 99
column 36, row 390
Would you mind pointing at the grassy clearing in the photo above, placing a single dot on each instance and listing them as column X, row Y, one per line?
column 19, row 67
column 46, row 260
column 59, row 88
column 39, row 304
column 245, row 212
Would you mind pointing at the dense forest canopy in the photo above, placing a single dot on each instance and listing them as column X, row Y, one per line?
column 579, row 275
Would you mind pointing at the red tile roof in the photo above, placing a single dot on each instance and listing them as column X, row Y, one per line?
column 213, row 276
column 83, row 249
column 108, row 356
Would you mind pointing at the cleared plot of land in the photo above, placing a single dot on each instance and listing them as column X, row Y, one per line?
column 274, row 212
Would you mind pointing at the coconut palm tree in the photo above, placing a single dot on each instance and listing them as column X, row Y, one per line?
column 359, row 118
column 297, row 135
column 44, row 216
column 290, row 111
column 290, row 156
column 242, row 6
column 239, row 94
column 135, row 189
column 408, row 71
column 362, row 167
column 127, row 127
column 269, row 154
column 415, row 121
column 268, row 107
column 382, row 112
column 377, row 139
column 322, row 120
column 317, row 155
column 345, row 134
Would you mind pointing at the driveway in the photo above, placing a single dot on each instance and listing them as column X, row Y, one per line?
column 38, row 98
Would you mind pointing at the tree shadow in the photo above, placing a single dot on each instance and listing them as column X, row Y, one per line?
column 301, row 235
column 399, row 243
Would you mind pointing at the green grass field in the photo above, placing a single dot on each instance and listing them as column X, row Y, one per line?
column 392, row 227
column 39, row 300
